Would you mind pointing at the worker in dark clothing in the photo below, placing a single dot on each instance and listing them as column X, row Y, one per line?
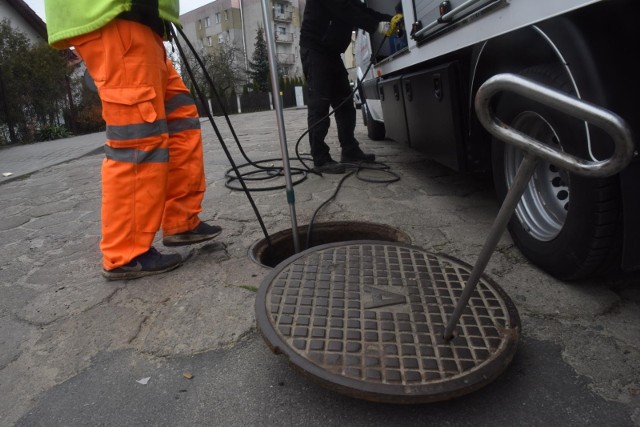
column 325, row 34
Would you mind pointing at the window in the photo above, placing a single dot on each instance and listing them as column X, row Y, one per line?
column 220, row 38
column 207, row 22
column 199, row 24
column 226, row 15
column 217, row 18
column 280, row 7
column 209, row 41
column 282, row 30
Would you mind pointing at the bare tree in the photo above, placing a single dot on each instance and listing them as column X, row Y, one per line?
column 223, row 65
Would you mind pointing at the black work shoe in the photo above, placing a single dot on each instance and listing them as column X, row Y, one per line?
column 330, row 166
column 356, row 155
column 147, row 264
column 201, row 233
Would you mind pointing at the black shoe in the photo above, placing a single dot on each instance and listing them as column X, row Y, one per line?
column 201, row 233
column 330, row 166
column 147, row 264
column 356, row 155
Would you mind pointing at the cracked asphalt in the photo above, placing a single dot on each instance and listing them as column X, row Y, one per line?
column 75, row 350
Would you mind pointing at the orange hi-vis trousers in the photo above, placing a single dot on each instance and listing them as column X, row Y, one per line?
column 153, row 173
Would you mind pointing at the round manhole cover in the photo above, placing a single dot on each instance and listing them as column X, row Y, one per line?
column 366, row 318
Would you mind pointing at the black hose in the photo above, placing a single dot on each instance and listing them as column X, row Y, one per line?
column 203, row 99
column 350, row 97
column 270, row 172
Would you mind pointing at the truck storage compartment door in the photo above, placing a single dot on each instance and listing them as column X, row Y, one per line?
column 392, row 101
column 433, row 115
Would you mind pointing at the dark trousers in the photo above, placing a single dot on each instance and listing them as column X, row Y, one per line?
column 328, row 86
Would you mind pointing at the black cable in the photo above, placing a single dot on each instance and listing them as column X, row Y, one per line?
column 350, row 97
column 380, row 167
column 230, row 178
column 333, row 196
column 203, row 99
column 270, row 172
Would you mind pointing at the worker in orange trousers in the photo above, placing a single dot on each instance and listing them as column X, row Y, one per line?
column 153, row 173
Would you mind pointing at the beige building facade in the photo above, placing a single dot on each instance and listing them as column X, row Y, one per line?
column 237, row 22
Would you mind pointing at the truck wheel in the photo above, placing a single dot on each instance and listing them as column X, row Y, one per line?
column 565, row 224
column 375, row 129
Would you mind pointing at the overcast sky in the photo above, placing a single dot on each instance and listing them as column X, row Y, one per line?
column 185, row 5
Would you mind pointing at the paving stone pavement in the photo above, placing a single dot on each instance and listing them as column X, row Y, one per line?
column 73, row 346
column 19, row 161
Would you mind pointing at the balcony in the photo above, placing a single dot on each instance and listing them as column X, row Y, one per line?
column 286, row 58
column 280, row 15
column 284, row 37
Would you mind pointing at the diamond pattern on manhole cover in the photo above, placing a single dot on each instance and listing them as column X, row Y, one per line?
column 367, row 318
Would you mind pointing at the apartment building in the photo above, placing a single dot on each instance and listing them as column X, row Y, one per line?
column 216, row 23
column 237, row 22
column 286, row 16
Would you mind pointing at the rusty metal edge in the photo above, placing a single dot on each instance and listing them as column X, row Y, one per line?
column 257, row 249
column 386, row 393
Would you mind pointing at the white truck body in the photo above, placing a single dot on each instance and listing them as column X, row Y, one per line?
column 420, row 90
column 508, row 16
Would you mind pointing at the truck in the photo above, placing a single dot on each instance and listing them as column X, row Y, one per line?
column 419, row 91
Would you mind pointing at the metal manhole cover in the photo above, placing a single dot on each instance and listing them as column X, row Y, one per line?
column 366, row 319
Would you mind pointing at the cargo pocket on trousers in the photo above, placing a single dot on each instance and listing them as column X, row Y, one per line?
column 140, row 96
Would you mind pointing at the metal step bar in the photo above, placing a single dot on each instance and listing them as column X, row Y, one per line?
column 450, row 17
column 536, row 150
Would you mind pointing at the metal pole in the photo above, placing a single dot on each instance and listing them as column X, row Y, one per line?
column 244, row 37
column 520, row 182
column 291, row 200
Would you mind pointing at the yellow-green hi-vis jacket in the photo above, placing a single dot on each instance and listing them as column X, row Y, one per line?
column 71, row 18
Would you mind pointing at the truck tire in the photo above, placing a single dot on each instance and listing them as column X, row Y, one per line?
column 564, row 223
column 375, row 129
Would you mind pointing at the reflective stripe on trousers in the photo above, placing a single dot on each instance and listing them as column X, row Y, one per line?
column 152, row 174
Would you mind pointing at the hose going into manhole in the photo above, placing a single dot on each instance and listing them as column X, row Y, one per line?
column 233, row 174
column 203, row 100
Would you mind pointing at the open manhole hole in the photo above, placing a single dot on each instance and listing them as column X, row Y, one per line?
column 321, row 233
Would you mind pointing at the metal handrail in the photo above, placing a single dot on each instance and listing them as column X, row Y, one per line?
column 444, row 19
column 534, row 151
column 572, row 106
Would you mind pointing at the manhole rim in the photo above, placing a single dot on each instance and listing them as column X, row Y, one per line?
column 281, row 235
column 387, row 393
